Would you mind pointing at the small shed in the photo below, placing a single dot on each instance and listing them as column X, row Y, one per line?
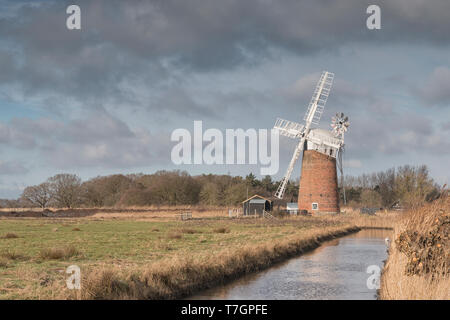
column 292, row 207
column 256, row 205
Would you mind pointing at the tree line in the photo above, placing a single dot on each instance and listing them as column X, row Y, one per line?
column 161, row 188
column 407, row 185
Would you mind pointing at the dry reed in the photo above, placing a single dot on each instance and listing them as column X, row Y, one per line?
column 396, row 283
column 58, row 253
column 10, row 236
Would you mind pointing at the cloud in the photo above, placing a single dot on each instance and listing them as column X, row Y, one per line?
column 446, row 126
column 399, row 134
column 122, row 44
column 178, row 101
column 352, row 163
column 170, row 62
column 436, row 89
column 11, row 168
column 342, row 91
column 99, row 139
column 11, row 135
column 10, row 192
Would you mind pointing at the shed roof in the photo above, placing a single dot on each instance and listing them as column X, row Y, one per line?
column 258, row 201
column 258, row 196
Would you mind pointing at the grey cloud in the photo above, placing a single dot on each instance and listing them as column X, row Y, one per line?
column 10, row 135
column 99, row 126
column 128, row 42
column 210, row 32
column 178, row 101
column 342, row 91
column 12, row 168
column 99, row 139
column 13, row 192
column 436, row 89
column 143, row 149
column 394, row 135
column 446, row 126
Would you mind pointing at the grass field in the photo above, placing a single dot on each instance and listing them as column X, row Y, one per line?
column 35, row 252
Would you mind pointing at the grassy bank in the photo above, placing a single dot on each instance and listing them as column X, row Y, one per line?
column 182, row 276
column 419, row 260
column 146, row 257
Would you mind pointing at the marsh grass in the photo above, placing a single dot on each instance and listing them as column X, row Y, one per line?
column 183, row 275
column 190, row 231
column 12, row 254
column 10, row 235
column 395, row 282
column 4, row 262
column 56, row 253
column 174, row 235
column 142, row 253
column 222, row 230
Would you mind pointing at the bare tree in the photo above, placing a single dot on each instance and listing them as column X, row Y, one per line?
column 38, row 195
column 371, row 198
column 65, row 189
column 209, row 194
column 413, row 185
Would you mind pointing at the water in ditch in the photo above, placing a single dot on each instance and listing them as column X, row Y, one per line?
column 338, row 269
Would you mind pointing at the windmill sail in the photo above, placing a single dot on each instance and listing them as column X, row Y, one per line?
column 282, row 187
column 289, row 128
column 319, row 98
column 296, row 130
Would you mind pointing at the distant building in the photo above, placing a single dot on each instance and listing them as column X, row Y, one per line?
column 292, row 208
column 369, row 211
column 397, row 206
column 256, row 205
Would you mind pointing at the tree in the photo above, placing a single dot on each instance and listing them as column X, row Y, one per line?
column 370, row 198
column 267, row 183
column 291, row 191
column 209, row 194
column 251, row 180
column 413, row 185
column 38, row 195
column 173, row 188
column 235, row 194
column 65, row 189
column 385, row 186
column 106, row 191
column 353, row 194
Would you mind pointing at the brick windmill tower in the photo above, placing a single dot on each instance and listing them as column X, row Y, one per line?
column 318, row 183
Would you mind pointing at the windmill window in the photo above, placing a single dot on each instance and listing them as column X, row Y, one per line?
column 315, row 206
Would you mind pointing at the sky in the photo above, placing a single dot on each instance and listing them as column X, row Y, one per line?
column 105, row 99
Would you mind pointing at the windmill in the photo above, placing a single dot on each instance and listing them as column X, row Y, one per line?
column 321, row 148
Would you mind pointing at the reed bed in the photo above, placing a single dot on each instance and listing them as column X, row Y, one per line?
column 422, row 271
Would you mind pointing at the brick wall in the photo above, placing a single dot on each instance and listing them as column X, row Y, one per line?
column 318, row 183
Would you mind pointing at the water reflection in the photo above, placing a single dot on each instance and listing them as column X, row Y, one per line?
column 336, row 270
